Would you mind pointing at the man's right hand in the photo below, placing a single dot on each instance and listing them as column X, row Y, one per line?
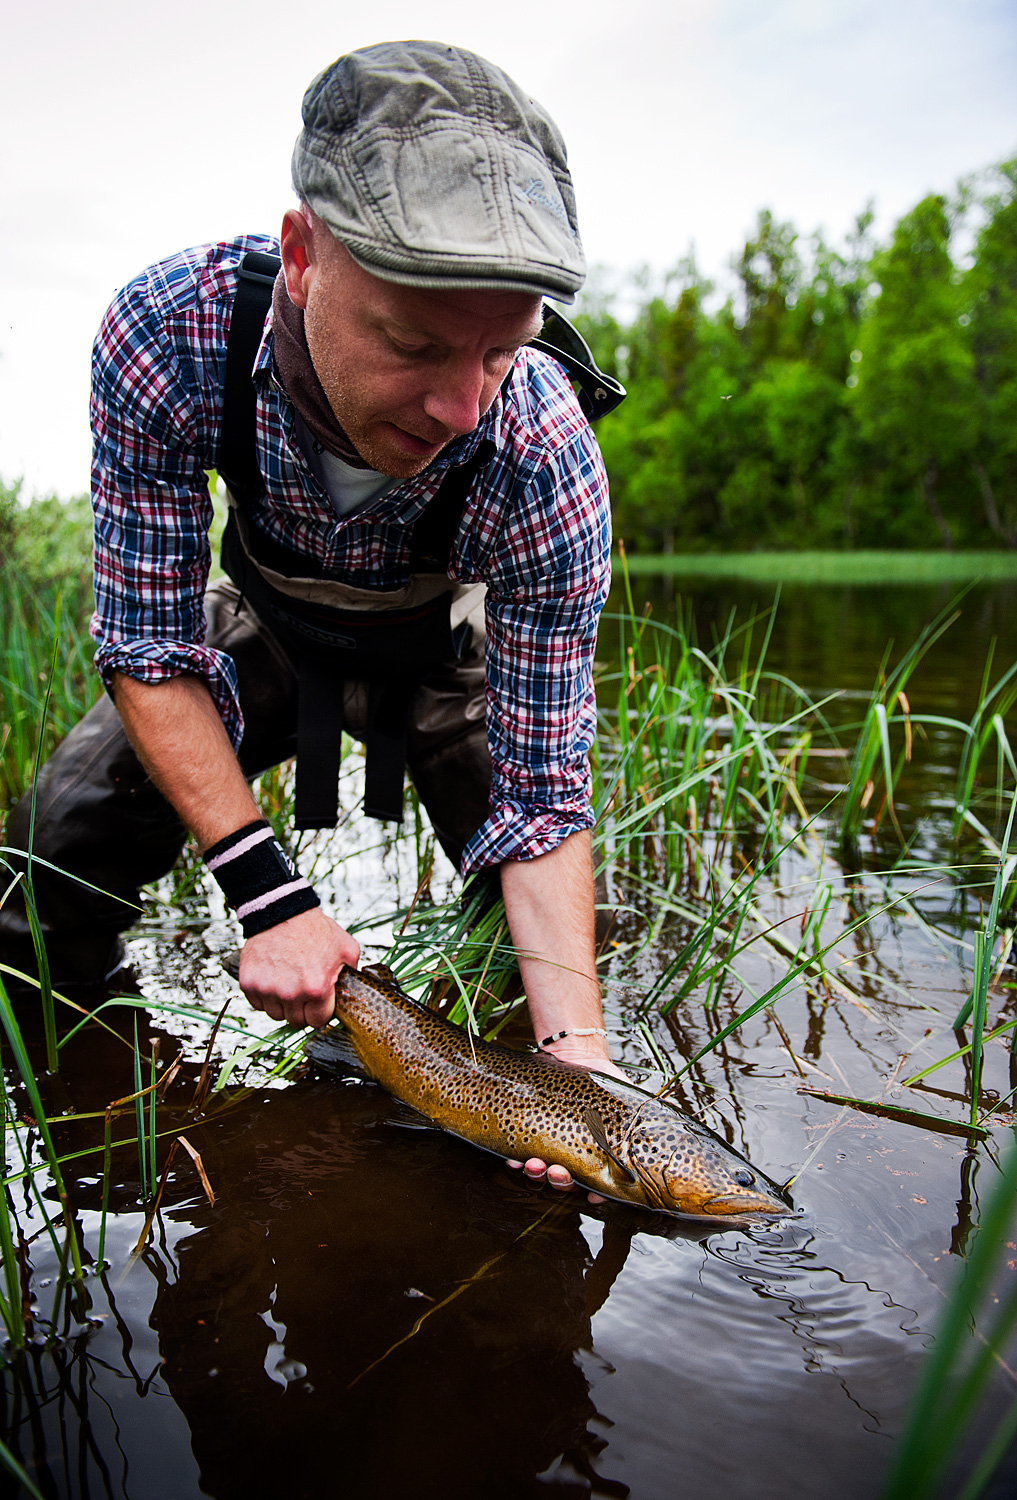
column 289, row 971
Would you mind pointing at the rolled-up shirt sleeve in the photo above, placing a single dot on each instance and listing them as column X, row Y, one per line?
column 548, row 578
column 152, row 444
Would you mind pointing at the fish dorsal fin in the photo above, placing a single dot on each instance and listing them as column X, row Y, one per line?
column 595, row 1124
column 382, row 972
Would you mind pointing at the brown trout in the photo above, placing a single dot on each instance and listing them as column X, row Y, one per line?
column 614, row 1137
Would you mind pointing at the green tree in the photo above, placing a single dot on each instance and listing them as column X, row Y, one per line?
column 848, row 396
column 770, row 272
column 916, row 398
column 991, row 297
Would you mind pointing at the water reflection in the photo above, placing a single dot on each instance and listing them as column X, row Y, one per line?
column 370, row 1312
column 379, row 1312
column 405, row 1325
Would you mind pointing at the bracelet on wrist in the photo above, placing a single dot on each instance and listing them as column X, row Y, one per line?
column 575, row 1031
column 258, row 878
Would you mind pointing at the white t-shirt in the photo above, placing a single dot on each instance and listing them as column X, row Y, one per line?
column 349, row 489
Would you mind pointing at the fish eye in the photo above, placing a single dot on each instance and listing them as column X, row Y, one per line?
column 743, row 1178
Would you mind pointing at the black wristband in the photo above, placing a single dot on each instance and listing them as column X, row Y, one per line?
column 258, row 878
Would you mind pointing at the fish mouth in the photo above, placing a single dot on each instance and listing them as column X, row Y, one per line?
column 749, row 1207
column 737, row 1205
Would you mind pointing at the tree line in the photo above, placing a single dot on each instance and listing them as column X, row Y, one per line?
column 860, row 396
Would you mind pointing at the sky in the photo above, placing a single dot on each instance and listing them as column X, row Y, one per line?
column 134, row 130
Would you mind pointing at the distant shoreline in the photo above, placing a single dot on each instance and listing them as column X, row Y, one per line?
column 828, row 567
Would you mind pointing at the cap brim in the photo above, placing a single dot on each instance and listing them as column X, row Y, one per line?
column 460, row 280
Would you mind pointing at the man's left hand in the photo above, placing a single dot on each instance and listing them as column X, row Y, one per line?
column 556, row 1176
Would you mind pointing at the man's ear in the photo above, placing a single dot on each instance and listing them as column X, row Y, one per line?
column 297, row 248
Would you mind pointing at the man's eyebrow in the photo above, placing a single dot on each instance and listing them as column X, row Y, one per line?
column 413, row 330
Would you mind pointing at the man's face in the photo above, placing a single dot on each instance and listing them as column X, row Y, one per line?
column 405, row 371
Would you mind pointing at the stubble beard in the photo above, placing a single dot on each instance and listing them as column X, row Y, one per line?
column 348, row 401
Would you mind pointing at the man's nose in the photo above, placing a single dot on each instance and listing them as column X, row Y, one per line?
column 456, row 396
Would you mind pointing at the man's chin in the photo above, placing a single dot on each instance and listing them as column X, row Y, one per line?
column 396, row 453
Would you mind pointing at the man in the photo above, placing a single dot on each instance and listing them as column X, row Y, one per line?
column 392, row 385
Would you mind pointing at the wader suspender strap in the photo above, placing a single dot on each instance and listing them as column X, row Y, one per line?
column 320, row 690
column 238, row 458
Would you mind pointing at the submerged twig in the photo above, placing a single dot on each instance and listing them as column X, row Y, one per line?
column 464, row 1286
column 199, row 1168
column 204, row 1083
column 899, row 1113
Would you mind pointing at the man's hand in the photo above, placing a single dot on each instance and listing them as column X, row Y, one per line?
column 549, row 905
column 290, row 971
column 560, row 1177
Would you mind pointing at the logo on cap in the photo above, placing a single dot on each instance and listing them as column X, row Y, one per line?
column 535, row 192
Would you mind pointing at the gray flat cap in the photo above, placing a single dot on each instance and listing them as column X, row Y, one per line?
column 436, row 170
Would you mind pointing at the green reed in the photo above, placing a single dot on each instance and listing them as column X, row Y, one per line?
column 12, row 1310
column 19, row 1475
column 970, row 1340
column 875, row 765
column 61, row 1229
column 45, row 602
column 700, row 787
column 684, row 748
column 32, row 621
column 975, row 1007
column 987, row 727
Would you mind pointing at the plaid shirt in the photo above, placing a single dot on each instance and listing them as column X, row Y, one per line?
column 536, row 530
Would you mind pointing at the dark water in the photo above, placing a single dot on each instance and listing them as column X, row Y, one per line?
column 371, row 1311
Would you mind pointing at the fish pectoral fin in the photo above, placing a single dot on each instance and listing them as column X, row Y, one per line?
column 333, row 1051
column 408, row 1118
column 595, row 1125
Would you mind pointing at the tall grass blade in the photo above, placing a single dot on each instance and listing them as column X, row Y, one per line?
column 107, row 1155
column 943, row 1062
column 873, row 740
column 10, row 1299
column 153, row 1160
column 899, row 1113
column 980, row 992
column 992, row 1456
column 12, row 1466
column 139, row 1115
column 24, row 1067
column 38, row 943
column 979, row 989
column 951, row 1378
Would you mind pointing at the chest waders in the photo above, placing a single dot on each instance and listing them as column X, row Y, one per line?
column 391, row 638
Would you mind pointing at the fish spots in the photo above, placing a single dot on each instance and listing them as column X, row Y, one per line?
column 531, row 1104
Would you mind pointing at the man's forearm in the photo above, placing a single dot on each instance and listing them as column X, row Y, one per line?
column 549, row 905
column 289, row 970
column 180, row 739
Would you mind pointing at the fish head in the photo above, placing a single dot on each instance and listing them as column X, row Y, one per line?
column 691, row 1171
